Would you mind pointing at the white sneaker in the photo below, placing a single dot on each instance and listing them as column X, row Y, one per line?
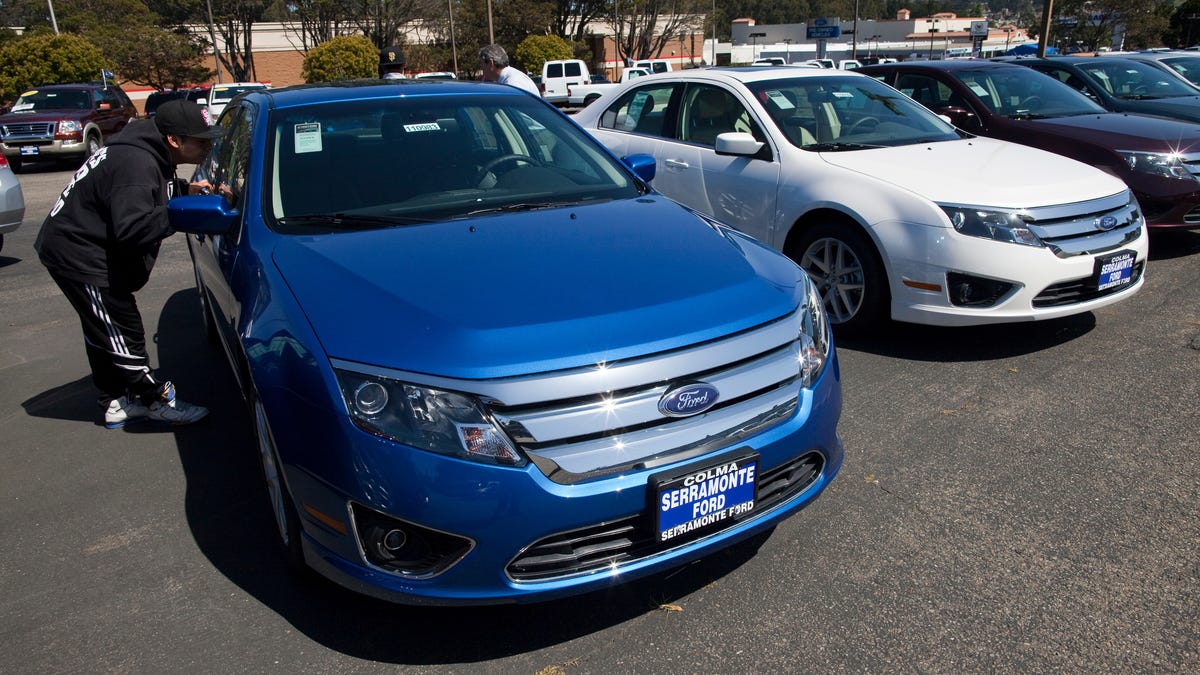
column 171, row 411
column 124, row 410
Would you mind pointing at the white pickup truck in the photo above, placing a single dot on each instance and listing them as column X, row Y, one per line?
column 584, row 94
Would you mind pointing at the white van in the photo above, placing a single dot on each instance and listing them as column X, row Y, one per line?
column 560, row 75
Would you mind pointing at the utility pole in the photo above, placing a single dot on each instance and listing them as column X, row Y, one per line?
column 54, row 22
column 1044, row 38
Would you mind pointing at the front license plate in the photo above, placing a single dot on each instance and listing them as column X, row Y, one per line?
column 704, row 497
column 29, row 149
column 1114, row 271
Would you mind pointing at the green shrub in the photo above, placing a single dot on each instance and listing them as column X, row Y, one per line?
column 345, row 57
column 41, row 59
column 538, row 49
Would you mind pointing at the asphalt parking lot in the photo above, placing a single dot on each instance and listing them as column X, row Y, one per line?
column 1014, row 498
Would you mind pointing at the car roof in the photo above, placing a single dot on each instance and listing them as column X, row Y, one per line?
column 361, row 90
column 746, row 74
column 948, row 64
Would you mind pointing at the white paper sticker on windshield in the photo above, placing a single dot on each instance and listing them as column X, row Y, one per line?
column 22, row 106
column 424, row 126
column 307, row 137
column 780, row 101
column 842, row 94
column 978, row 89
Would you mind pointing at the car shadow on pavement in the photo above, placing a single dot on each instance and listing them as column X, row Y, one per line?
column 1171, row 244
column 229, row 516
column 5, row 260
column 968, row 343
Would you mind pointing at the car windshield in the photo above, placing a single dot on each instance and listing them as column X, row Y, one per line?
column 847, row 113
column 53, row 99
column 399, row 161
column 1022, row 92
column 1187, row 66
column 1133, row 80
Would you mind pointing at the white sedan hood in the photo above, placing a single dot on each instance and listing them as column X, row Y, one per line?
column 981, row 171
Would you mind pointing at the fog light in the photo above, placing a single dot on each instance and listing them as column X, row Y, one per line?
column 404, row 548
column 971, row 291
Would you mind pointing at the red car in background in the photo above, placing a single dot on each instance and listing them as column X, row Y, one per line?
column 1159, row 159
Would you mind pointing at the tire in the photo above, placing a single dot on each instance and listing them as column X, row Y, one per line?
column 15, row 164
column 94, row 143
column 283, row 508
column 844, row 265
column 1, row 242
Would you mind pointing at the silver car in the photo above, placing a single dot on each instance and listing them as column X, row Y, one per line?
column 12, row 201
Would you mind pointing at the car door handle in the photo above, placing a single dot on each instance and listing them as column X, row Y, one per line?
column 675, row 164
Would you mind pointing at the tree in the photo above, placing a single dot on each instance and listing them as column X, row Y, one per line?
column 644, row 27
column 570, row 18
column 47, row 59
column 538, row 49
column 1184, row 25
column 345, row 57
column 157, row 57
column 319, row 20
column 234, row 21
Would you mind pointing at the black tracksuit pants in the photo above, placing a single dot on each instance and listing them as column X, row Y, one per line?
column 114, row 338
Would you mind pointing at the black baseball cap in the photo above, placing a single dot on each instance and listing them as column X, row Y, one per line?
column 181, row 117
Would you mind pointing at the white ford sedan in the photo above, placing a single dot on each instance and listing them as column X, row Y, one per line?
column 893, row 211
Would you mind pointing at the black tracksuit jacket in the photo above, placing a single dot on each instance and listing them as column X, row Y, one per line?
column 106, row 227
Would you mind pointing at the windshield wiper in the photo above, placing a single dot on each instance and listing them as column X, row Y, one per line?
column 350, row 220
column 837, row 146
column 521, row 206
column 1028, row 116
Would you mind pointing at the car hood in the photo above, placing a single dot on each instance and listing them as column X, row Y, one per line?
column 529, row 292
column 981, row 171
column 1182, row 107
column 50, row 115
column 1121, row 131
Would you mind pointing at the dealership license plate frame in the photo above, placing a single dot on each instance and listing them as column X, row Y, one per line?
column 1115, row 278
column 30, row 151
column 731, row 511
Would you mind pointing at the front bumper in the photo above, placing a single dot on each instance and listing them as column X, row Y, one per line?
column 924, row 256
column 502, row 511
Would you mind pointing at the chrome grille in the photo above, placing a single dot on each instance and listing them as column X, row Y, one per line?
column 28, row 129
column 632, row 538
column 586, row 423
column 1192, row 161
column 1081, row 228
column 617, row 428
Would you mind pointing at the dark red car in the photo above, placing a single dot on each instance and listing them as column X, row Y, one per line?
column 1159, row 159
column 63, row 122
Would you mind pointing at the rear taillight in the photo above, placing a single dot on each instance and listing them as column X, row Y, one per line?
column 3, row 160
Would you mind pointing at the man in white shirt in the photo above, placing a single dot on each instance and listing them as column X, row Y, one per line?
column 494, row 62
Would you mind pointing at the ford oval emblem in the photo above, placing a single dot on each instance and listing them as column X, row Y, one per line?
column 690, row 399
column 1106, row 223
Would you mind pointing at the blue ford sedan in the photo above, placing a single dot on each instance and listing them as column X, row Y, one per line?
column 486, row 362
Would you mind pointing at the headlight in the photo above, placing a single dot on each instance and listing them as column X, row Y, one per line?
column 439, row 421
column 1166, row 164
column 814, row 336
column 998, row 225
column 69, row 126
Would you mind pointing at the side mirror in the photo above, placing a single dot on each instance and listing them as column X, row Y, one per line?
column 959, row 117
column 201, row 214
column 737, row 143
column 644, row 166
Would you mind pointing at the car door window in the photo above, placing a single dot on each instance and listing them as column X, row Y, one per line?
column 709, row 111
column 229, row 161
column 641, row 111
